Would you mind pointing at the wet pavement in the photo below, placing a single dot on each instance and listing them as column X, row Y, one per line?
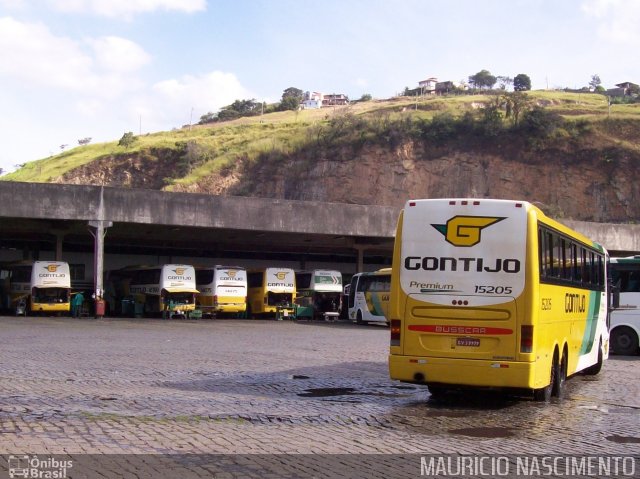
column 119, row 387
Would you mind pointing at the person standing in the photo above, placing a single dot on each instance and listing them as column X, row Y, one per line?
column 76, row 304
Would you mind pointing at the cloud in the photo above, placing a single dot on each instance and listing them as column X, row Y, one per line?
column 172, row 100
column 127, row 8
column 31, row 53
column 12, row 4
column 117, row 54
column 618, row 20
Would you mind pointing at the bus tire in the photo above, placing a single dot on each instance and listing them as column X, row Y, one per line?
column 561, row 377
column 544, row 394
column 624, row 341
column 359, row 318
column 595, row 369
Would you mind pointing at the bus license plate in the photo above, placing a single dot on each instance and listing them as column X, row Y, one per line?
column 475, row 342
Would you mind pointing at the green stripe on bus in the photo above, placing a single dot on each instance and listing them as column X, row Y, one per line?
column 591, row 322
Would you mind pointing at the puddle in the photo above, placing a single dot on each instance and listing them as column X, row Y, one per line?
column 624, row 439
column 327, row 392
column 484, row 432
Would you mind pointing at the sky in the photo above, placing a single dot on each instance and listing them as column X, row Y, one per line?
column 74, row 69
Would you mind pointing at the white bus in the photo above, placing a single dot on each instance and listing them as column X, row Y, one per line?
column 369, row 296
column 625, row 311
column 271, row 291
column 222, row 289
column 50, row 287
column 319, row 293
column 169, row 289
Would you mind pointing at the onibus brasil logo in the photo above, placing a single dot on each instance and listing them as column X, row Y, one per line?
column 465, row 230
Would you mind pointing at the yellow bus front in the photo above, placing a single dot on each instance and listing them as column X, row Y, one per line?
column 50, row 300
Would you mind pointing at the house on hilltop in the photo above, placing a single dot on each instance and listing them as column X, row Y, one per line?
column 335, row 99
column 428, row 86
column 311, row 100
column 623, row 89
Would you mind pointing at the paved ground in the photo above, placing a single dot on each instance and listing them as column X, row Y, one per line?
column 123, row 387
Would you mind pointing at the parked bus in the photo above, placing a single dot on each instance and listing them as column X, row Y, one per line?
column 169, row 289
column 50, row 287
column 19, row 284
column 625, row 311
column 271, row 291
column 222, row 289
column 369, row 296
column 493, row 293
column 319, row 292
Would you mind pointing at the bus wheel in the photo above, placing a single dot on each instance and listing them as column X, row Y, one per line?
column 359, row 317
column 595, row 369
column 624, row 340
column 561, row 376
column 544, row 394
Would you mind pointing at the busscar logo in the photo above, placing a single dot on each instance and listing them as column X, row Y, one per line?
column 466, row 230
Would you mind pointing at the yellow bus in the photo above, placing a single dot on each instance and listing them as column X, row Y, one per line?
column 40, row 287
column 271, row 291
column 222, row 289
column 368, row 296
column 169, row 290
column 493, row 293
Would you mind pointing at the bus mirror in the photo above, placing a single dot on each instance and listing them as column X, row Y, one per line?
column 615, row 297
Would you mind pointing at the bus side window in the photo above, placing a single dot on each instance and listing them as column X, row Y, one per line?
column 632, row 283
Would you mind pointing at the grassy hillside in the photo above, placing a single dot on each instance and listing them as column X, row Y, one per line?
column 203, row 149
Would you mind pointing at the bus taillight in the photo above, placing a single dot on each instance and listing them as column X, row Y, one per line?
column 526, row 339
column 215, row 300
column 395, row 332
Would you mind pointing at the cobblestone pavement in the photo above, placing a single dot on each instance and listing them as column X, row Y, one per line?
column 117, row 386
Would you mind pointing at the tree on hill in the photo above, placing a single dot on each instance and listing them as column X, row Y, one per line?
column 504, row 82
column 84, row 141
column 240, row 108
column 127, row 139
column 521, row 82
column 516, row 103
column 595, row 82
column 208, row 117
column 291, row 99
column 483, row 80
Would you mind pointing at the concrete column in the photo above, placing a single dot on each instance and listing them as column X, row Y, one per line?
column 59, row 241
column 100, row 225
column 360, row 263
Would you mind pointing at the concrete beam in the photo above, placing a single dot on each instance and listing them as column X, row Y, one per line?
column 45, row 201
column 77, row 202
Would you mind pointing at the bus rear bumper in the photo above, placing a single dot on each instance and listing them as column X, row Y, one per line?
column 461, row 372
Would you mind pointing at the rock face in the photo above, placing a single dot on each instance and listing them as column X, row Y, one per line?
column 592, row 189
column 586, row 183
